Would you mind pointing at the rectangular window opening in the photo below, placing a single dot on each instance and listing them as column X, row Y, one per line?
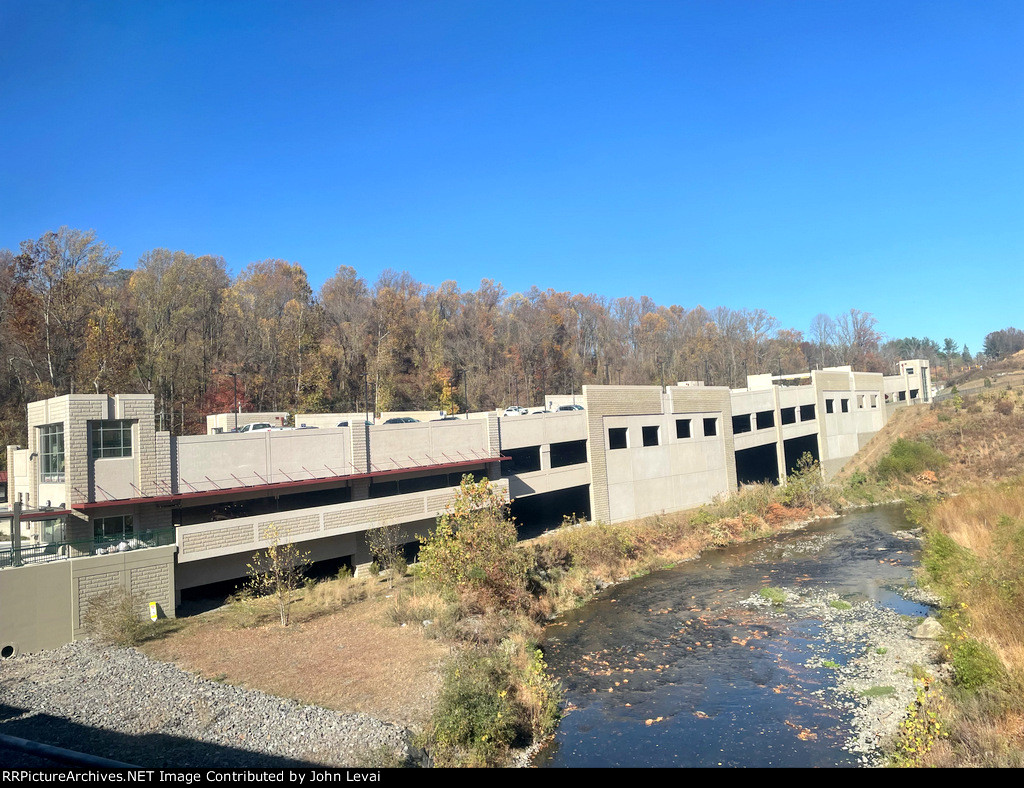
column 617, row 438
column 682, row 428
column 522, row 460
column 845, row 405
column 650, row 436
column 568, row 453
column 807, row 412
column 788, row 415
column 830, row 406
column 741, row 423
column 765, row 419
column 51, row 453
column 710, row 427
column 110, row 438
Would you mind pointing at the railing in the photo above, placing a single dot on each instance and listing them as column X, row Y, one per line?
column 46, row 552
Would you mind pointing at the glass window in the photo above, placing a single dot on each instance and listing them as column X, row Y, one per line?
column 111, row 528
column 650, row 436
column 51, row 453
column 682, row 428
column 710, row 427
column 110, row 438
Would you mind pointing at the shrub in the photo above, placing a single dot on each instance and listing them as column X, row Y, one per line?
column 474, row 551
column 907, row 458
column 490, row 702
column 975, row 665
column 116, row 619
column 805, row 487
column 1004, row 406
column 920, row 730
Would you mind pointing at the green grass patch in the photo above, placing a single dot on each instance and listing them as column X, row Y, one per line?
column 839, row 604
column 908, row 458
column 975, row 666
column 774, row 595
column 878, row 692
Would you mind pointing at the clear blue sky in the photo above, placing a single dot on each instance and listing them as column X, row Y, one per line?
column 800, row 157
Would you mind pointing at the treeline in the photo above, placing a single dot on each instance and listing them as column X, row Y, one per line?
column 181, row 327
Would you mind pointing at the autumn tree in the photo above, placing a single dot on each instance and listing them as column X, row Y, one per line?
column 177, row 302
column 474, row 549
column 63, row 271
column 1006, row 342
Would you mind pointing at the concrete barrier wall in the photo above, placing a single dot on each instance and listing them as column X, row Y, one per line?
column 246, row 535
column 44, row 604
column 209, row 462
column 394, row 446
column 539, row 429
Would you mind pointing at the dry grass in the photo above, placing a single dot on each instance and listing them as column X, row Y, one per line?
column 342, row 652
column 989, row 523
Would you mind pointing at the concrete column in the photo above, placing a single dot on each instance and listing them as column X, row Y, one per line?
column 780, row 451
column 360, row 489
column 360, row 448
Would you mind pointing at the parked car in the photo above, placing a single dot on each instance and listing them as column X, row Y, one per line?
column 566, row 408
column 259, row 426
column 515, row 410
column 446, row 418
column 402, row 420
column 542, row 410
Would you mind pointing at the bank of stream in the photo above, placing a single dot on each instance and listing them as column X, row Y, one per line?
column 796, row 651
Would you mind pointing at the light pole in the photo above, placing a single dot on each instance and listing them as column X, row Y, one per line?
column 465, row 387
column 234, row 381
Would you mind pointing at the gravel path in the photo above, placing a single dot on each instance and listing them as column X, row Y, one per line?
column 120, row 704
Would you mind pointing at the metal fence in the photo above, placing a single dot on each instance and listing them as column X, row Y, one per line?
column 46, row 552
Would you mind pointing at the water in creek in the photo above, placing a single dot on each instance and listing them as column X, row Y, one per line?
column 676, row 669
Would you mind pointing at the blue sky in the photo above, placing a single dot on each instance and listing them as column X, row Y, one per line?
column 800, row 157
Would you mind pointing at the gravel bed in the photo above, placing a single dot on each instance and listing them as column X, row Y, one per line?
column 120, row 704
column 873, row 654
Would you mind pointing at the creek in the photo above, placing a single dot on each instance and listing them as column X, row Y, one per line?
column 697, row 666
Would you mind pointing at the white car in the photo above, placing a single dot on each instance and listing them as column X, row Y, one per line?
column 259, row 426
column 565, row 408
column 515, row 410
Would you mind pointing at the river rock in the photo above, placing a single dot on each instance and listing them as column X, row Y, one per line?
column 930, row 629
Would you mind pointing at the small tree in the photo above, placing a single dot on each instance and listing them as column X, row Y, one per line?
column 385, row 545
column 278, row 571
column 474, row 548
